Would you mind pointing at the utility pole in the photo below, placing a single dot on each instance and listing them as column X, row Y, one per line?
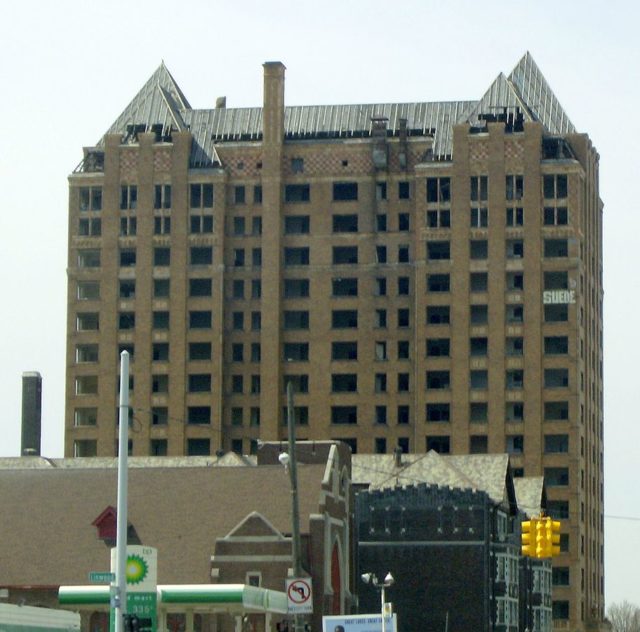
column 119, row 598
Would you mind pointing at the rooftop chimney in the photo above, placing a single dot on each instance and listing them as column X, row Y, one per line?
column 221, row 103
column 31, row 413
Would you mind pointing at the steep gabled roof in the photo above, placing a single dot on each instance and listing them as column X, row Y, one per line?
column 540, row 99
column 524, row 92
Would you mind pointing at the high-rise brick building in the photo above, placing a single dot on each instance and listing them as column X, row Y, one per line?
column 427, row 275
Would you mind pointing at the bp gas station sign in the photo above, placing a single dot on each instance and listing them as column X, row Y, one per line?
column 142, row 581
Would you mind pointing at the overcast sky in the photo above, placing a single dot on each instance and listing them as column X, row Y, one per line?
column 68, row 68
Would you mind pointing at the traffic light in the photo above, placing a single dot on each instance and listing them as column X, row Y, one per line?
column 542, row 543
column 553, row 536
column 529, row 537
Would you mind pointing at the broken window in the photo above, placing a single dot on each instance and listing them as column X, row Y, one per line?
column 478, row 314
column 556, row 444
column 438, row 283
column 128, row 197
column 161, row 256
column 345, row 223
column 479, row 217
column 297, row 193
column 88, row 290
column 438, row 250
column 478, row 379
column 201, row 224
column 555, row 187
column 515, row 281
column 85, row 417
column 90, row 198
column 380, row 318
column 438, row 380
column 441, row 445
column 478, row 444
column 87, row 321
column 344, row 383
column 127, row 257
column 556, row 248
column 296, row 225
column 297, row 288
column 89, row 227
column 161, row 225
column 344, row 415
column 478, row 346
column 514, row 411
column 404, row 191
column 201, row 195
column 514, row 187
column 556, row 378
column 199, row 383
column 556, row 280
column 438, row 315
column 515, row 248
column 345, row 255
column 200, row 255
column 200, row 319
column 199, row 415
column 514, row 346
column 344, row 319
column 556, row 411
column 200, row 287
column 345, row 191
column 515, row 313
column 438, row 347
column 344, row 286
column 162, row 196
column 86, row 385
column 515, row 379
column 160, row 320
column 478, row 412
column 556, row 313
column 556, row 216
column 381, row 191
column 515, row 216
column 478, row 281
column 438, row 412
column 296, row 319
column 380, row 350
column 296, row 257
column 479, row 188
column 344, row 350
column 438, row 190
column 160, row 352
column 478, row 249
column 296, row 351
column 556, row 476
column 87, row 353
column 239, row 194
column 88, row 258
column 556, row 345
column 514, row 444
column 297, row 165
column 440, row 218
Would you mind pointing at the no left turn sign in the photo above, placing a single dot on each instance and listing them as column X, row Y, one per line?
column 299, row 596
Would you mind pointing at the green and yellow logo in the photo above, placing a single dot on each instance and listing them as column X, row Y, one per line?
column 136, row 570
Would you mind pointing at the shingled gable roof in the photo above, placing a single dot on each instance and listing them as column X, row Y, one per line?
column 487, row 472
column 179, row 510
column 254, row 525
column 531, row 494
column 160, row 101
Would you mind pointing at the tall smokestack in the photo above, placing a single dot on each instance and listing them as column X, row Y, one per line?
column 31, row 413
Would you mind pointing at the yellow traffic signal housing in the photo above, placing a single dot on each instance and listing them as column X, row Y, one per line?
column 542, row 543
column 529, row 537
column 553, row 536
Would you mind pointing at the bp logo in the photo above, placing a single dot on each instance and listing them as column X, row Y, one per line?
column 137, row 569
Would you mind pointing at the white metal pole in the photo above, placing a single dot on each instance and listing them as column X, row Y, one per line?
column 384, row 627
column 121, row 532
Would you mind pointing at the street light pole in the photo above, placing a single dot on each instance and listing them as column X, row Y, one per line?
column 295, row 512
column 371, row 578
column 119, row 601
